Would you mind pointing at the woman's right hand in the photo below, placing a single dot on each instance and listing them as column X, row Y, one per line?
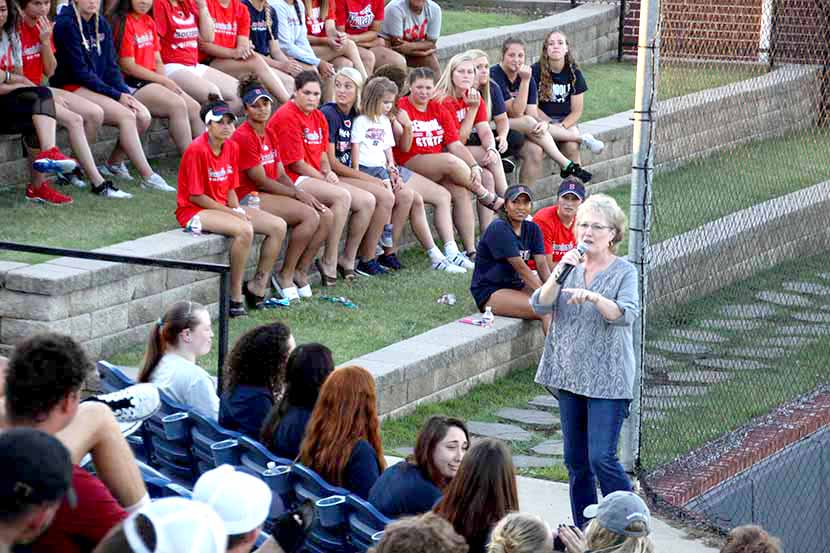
column 574, row 539
column 403, row 118
column 170, row 84
column 525, row 71
column 310, row 201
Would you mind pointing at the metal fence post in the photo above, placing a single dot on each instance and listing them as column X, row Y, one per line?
column 640, row 215
column 224, row 307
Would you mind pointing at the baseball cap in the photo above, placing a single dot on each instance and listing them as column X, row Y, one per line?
column 517, row 190
column 617, row 510
column 36, row 468
column 255, row 94
column 177, row 525
column 241, row 500
column 216, row 114
column 572, row 186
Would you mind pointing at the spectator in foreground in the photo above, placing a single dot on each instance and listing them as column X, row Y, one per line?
column 255, row 376
column 521, row 533
column 483, row 491
column 342, row 441
column 36, row 476
column 588, row 361
column 621, row 524
column 176, row 341
column 415, row 485
column 284, row 428
column 750, row 539
column 411, row 28
column 557, row 222
column 427, row 533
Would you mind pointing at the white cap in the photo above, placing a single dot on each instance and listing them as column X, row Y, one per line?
column 180, row 526
column 242, row 501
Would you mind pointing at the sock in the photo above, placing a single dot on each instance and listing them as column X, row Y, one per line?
column 450, row 248
column 435, row 255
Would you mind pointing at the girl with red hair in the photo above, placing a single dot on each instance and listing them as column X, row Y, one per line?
column 342, row 439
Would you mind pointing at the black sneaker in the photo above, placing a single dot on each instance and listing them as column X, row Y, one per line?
column 108, row 190
column 508, row 165
column 369, row 268
column 390, row 261
column 237, row 309
column 576, row 170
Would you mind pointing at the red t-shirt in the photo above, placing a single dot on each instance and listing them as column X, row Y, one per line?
column 357, row 16
column 314, row 25
column 178, row 30
column 140, row 41
column 202, row 172
column 79, row 529
column 6, row 58
column 431, row 129
column 302, row 137
column 255, row 150
column 559, row 239
column 31, row 46
column 230, row 22
column 459, row 107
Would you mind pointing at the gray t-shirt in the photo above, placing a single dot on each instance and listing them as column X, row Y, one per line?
column 400, row 22
column 584, row 353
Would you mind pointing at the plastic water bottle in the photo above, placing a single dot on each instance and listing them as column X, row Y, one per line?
column 194, row 226
column 386, row 237
column 488, row 318
column 253, row 200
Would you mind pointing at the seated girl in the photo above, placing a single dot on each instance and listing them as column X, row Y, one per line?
column 264, row 32
column 208, row 178
column 342, row 439
column 360, row 21
column 415, row 485
column 262, row 171
column 79, row 116
column 521, row 533
column 327, row 42
column 177, row 340
column 456, row 91
column 283, row 430
column 139, row 56
column 254, row 377
column 502, row 280
column 481, row 493
column 431, row 147
column 86, row 66
column 231, row 50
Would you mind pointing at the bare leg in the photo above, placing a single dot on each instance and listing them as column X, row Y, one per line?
column 337, row 199
column 92, row 114
column 525, row 125
column 368, row 59
column 303, row 221
column 45, row 127
column 274, row 229
column 74, row 124
column 163, row 102
column 212, row 82
column 440, row 199
column 349, row 51
column 254, row 64
column 430, row 61
column 362, row 220
column 384, row 56
column 405, row 205
column 515, row 303
column 242, row 235
column 384, row 202
column 532, row 156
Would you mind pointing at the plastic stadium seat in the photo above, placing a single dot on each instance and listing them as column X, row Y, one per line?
column 205, row 432
column 170, row 455
column 330, row 530
column 112, row 378
column 366, row 523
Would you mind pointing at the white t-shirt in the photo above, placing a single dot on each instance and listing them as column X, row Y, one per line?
column 187, row 383
column 374, row 137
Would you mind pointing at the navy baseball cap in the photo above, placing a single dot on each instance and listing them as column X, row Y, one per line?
column 216, row 114
column 572, row 186
column 517, row 190
column 36, row 469
column 255, row 94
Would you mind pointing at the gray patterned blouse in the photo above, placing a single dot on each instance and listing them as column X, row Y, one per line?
column 584, row 353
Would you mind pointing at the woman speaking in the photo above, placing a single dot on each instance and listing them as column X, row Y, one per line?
column 588, row 360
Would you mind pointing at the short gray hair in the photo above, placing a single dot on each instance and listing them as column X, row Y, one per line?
column 608, row 209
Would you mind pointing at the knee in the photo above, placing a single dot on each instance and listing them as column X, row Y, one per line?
column 385, row 200
column 245, row 234
column 95, row 118
column 73, row 120
column 532, row 153
column 279, row 228
column 602, row 462
column 326, row 219
column 407, row 196
column 342, row 201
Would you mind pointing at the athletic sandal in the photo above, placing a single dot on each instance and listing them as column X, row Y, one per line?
column 291, row 293
column 237, row 309
column 251, row 300
column 325, row 280
column 305, row 291
column 491, row 201
column 347, row 275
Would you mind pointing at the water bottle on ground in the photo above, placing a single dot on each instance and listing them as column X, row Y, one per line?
column 253, row 200
column 194, row 226
column 386, row 238
column 488, row 318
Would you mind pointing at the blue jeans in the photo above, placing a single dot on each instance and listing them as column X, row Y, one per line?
column 590, row 431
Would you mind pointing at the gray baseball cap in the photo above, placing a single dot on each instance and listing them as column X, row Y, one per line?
column 616, row 511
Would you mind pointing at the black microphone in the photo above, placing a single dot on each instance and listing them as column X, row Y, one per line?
column 582, row 247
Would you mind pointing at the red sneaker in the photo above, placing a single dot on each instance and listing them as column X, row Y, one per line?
column 46, row 194
column 53, row 161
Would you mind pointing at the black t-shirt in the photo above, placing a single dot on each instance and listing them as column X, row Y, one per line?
column 290, row 433
column 404, row 490
column 510, row 89
column 565, row 84
column 244, row 409
column 497, row 105
column 498, row 243
column 340, row 131
column 260, row 35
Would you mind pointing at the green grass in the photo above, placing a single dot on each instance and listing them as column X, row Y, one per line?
column 350, row 333
column 457, row 21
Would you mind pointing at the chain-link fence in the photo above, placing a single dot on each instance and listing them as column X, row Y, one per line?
column 736, row 384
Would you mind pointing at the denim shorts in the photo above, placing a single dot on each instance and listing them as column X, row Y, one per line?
column 382, row 174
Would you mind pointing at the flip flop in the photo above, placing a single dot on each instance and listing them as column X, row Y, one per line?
column 326, row 280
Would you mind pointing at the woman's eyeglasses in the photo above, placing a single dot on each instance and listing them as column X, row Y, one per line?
column 596, row 227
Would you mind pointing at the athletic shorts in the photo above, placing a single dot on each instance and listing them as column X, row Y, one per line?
column 383, row 174
column 172, row 68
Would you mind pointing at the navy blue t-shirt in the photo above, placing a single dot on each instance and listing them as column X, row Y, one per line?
column 340, row 131
column 497, row 105
column 290, row 432
column 244, row 409
column 563, row 87
column 404, row 490
column 260, row 37
column 510, row 89
column 362, row 470
column 498, row 243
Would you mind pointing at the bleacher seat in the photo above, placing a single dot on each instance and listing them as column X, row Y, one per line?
column 205, row 432
column 170, row 455
column 112, row 378
column 366, row 523
column 330, row 530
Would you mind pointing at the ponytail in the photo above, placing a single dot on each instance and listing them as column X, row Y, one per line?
column 165, row 332
column 519, row 533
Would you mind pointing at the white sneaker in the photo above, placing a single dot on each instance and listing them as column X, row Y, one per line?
column 460, row 259
column 115, row 170
column 291, row 293
column 156, row 182
column 70, row 178
column 447, row 267
column 108, row 190
column 305, row 291
column 594, row 144
column 132, row 404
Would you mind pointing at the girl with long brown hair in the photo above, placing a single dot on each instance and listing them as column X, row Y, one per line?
column 342, row 439
column 328, row 43
column 483, row 491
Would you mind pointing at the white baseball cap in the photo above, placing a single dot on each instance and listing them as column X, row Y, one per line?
column 178, row 526
column 241, row 500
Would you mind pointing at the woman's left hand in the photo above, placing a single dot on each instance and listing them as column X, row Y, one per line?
column 331, row 177
column 491, row 156
column 472, row 98
column 581, row 295
column 44, row 27
column 573, row 538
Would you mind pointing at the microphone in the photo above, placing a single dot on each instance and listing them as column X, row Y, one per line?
column 582, row 247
